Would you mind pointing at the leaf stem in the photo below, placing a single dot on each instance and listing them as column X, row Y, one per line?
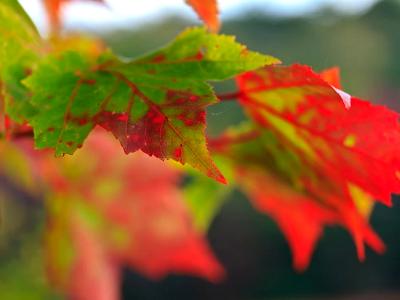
column 220, row 143
column 229, row 96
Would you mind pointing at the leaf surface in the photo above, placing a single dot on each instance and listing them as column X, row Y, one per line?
column 308, row 161
column 296, row 194
column 358, row 144
column 155, row 104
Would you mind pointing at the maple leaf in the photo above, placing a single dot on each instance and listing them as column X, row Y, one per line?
column 358, row 145
column 104, row 214
column 207, row 11
column 155, row 104
column 308, row 161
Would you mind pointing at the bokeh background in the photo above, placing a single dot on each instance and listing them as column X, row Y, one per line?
column 361, row 37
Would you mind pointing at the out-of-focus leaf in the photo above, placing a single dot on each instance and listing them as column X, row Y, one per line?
column 296, row 194
column 22, row 276
column 19, row 48
column 207, row 11
column 14, row 4
column 205, row 197
column 103, row 214
column 54, row 9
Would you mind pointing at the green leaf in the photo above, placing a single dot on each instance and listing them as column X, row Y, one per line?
column 198, row 55
column 66, row 103
column 155, row 104
column 14, row 4
column 19, row 48
column 205, row 197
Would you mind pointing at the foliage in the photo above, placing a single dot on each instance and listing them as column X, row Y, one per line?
column 309, row 154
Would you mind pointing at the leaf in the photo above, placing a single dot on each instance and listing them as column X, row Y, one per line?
column 358, row 145
column 95, row 268
column 23, row 265
column 14, row 4
column 205, row 197
column 207, row 11
column 155, row 104
column 296, row 194
column 19, row 50
column 104, row 214
column 308, row 161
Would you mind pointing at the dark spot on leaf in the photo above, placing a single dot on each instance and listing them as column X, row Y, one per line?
column 178, row 153
column 158, row 58
column 89, row 81
column 28, row 71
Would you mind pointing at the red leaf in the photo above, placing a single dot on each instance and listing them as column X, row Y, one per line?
column 157, row 133
column 302, row 217
column 208, row 12
column 308, row 161
column 332, row 76
column 359, row 145
column 94, row 275
column 127, row 210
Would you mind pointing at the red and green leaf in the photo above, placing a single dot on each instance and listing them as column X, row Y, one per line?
column 155, row 104
column 308, row 161
column 296, row 194
column 358, row 145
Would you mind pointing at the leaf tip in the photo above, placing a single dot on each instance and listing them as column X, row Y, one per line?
column 222, row 179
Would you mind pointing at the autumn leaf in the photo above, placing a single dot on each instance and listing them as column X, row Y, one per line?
column 359, row 144
column 310, row 161
column 155, row 104
column 298, row 195
column 207, row 11
column 104, row 214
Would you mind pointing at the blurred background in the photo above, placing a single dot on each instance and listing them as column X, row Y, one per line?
column 360, row 36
